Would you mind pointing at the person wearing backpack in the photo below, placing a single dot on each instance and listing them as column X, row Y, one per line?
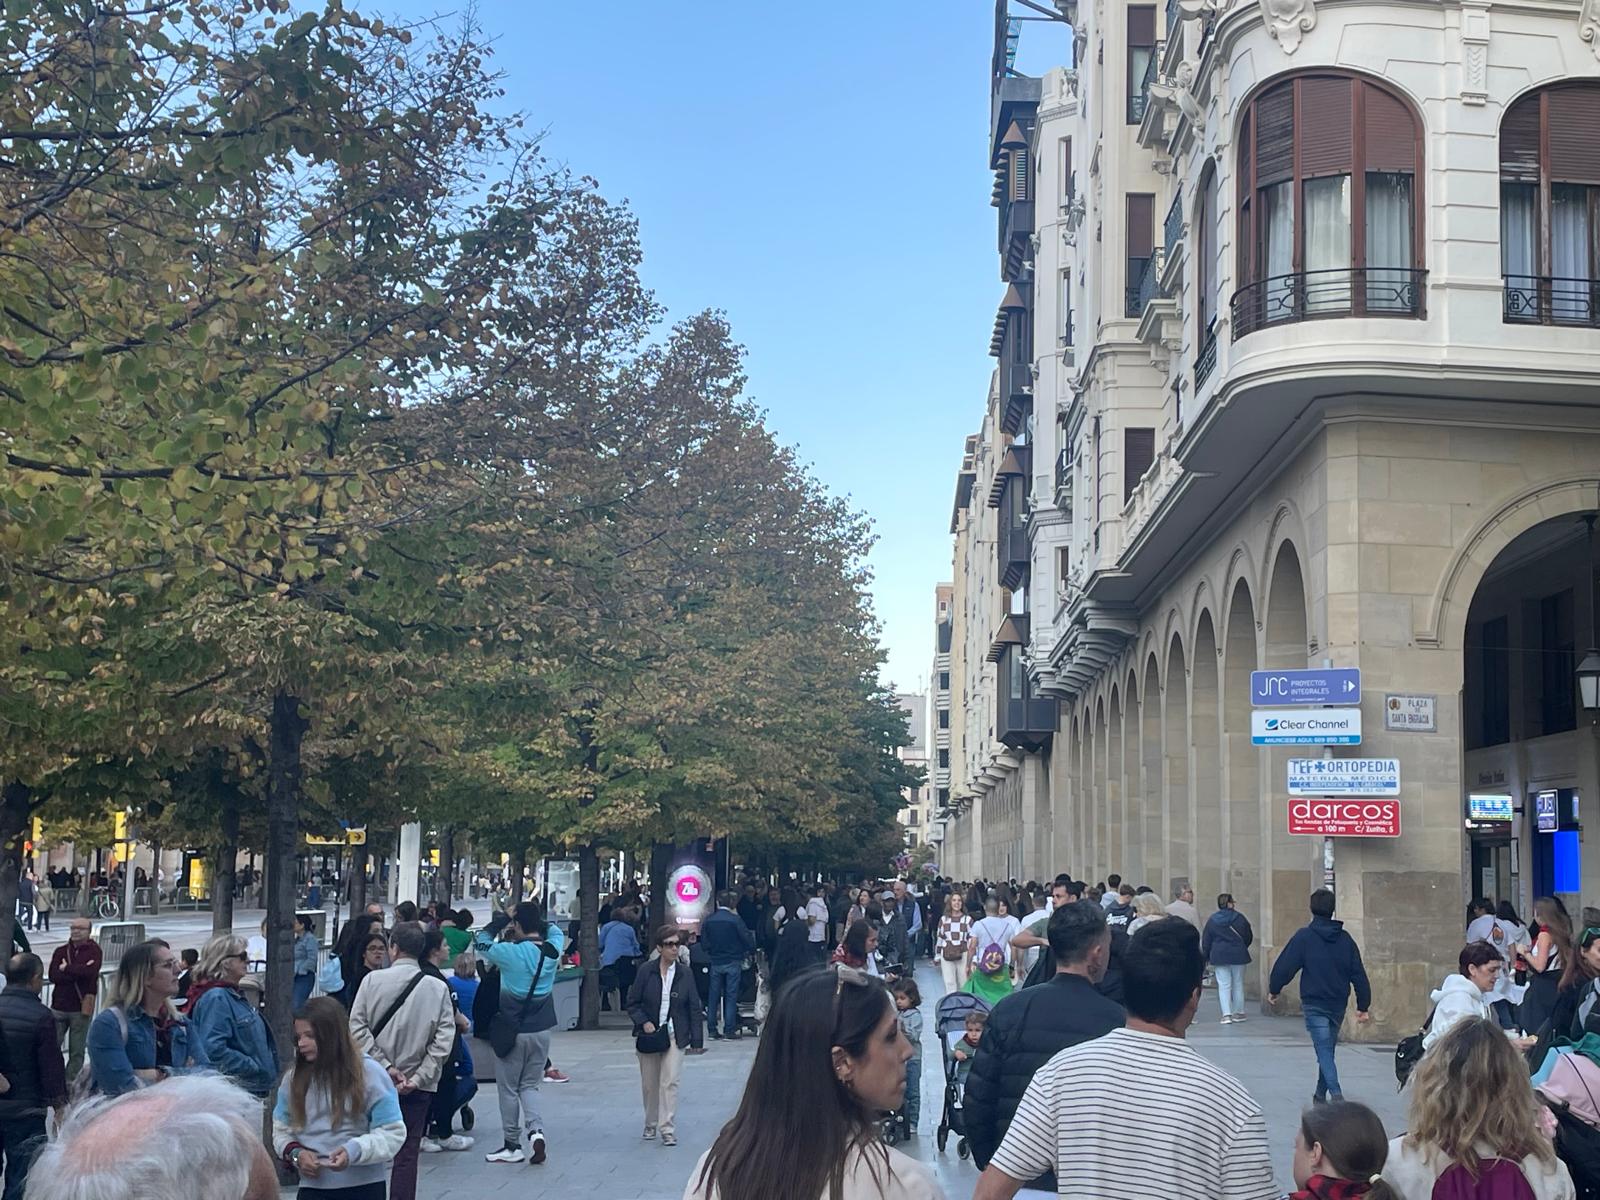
column 990, row 947
column 1474, row 1131
column 139, row 1038
column 1226, row 944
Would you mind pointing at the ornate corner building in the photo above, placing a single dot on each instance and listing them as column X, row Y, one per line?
column 1298, row 365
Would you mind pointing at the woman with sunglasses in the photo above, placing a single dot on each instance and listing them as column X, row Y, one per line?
column 668, row 1022
column 831, row 1062
column 228, row 1027
column 139, row 1038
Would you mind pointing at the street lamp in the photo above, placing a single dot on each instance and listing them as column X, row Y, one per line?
column 1589, row 679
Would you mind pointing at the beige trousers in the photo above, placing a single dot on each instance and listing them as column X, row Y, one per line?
column 658, row 1081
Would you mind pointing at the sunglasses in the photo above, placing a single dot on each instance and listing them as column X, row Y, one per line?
column 851, row 975
column 1588, row 935
column 670, row 945
column 241, row 956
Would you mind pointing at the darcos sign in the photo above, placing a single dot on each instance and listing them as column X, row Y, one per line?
column 1345, row 818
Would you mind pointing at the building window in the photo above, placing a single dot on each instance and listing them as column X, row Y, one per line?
column 1330, row 204
column 944, row 797
column 1064, row 303
column 1141, row 214
column 1550, row 206
column 1069, row 183
column 944, row 681
column 1138, row 452
column 1558, row 710
column 913, row 817
column 1063, row 567
column 944, row 718
column 944, row 760
column 1205, row 270
column 1141, row 57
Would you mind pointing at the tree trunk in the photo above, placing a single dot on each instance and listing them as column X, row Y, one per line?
column 444, row 878
column 515, row 870
column 225, row 858
column 16, row 815
column 589, row 936
column 155, row 883
column 358, row 878
column 283, row 825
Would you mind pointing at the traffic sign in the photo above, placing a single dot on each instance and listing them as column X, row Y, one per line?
column 1319, row 685
column 1345, row 818
column 1344, row 777
column 1308, row 727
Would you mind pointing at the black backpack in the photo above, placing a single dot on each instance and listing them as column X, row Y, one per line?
column 1409, row 1053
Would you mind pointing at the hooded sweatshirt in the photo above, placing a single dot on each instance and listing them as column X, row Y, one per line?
column 1457, row 999
column 1329, row 965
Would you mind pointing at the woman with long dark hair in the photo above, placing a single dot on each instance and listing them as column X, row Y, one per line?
column 337, row 1121
column 791, row 953
column 1548, row 959
column 831, row 1061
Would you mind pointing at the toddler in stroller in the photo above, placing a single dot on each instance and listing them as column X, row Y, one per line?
column 959, row 1020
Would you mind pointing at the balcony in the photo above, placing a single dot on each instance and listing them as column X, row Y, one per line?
column 1549, row 300
column 1024, row 720
column 1011, row 536
column 1172, row 231
column 1149, row 283
column 1345, row 292
column 1016, row 238
column 1206, row 360
column 1064, row 482
column 1139, row 100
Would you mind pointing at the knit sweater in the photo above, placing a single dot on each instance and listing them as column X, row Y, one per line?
column 371, row 1137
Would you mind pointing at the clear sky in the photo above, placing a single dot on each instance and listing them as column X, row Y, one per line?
column 819, row 172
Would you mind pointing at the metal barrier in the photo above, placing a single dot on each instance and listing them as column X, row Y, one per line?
column 115, row 938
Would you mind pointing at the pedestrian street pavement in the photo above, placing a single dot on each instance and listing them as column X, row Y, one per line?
column 593, row 1123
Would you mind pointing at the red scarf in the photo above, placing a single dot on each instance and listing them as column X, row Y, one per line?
column 196, row 990
column 1324, row 1187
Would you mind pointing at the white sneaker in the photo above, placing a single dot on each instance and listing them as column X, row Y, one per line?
column 456, row 1141
column 1238, row 1016
column 533, row 1144
column 1227, row 1019
column 506, row 1154
column 430, row 1146
column 649, row 1133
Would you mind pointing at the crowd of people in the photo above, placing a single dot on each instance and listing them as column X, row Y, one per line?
column 1074, row 1003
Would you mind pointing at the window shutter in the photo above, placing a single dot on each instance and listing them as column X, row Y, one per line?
column 1019, row 174
column 1141, row 225
column 1325, row 127
column 1575, row 134
column 1391, row 133
column 1142, row 26
column 1519, row 142
column 1275, row 135
column 1138, row 452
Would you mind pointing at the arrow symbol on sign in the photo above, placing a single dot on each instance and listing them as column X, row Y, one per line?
column 1349, row 686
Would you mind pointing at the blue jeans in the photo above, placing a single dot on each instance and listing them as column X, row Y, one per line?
column 724, row 987
column 303, row 985
column 912, row 1108
column 1323, row 1027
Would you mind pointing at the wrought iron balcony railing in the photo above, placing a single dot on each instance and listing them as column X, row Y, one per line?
column 1173, row 230
column 1550, row 300
column 1206, row 360
column 1344, row 292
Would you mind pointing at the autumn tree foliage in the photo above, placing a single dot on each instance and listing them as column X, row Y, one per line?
column 348, row 474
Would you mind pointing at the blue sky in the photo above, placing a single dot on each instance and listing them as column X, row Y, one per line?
column 818, row 172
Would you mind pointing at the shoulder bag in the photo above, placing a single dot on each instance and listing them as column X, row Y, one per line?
column 400, row 1002
column 660, row 1041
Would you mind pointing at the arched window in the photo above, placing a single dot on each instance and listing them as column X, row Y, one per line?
column 1550, row 206
column 1205, row 273
column 1330, row 203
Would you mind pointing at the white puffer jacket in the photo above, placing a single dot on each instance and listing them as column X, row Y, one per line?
column 1458, row 999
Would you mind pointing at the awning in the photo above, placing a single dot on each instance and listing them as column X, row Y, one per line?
column 1013, row 632
column 1017, row 460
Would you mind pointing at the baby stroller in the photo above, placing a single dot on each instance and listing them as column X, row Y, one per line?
column 950, row 1021
column 1572, row 1093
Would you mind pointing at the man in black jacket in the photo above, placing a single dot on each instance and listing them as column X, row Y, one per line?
column 727, row 940
column 1329, row 965
column 33, row 1067
column 1029, row 1028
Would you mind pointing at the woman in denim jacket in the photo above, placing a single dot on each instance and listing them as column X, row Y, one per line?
column 139, row 1038
column 230, row 1031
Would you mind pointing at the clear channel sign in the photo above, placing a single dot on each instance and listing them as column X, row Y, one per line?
column 1344, row 777
column 1318, row 685
column 1308, row 727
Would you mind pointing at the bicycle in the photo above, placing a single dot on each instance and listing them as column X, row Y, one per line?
column 104, row 905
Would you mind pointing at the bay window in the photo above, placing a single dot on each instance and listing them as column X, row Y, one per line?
column 1550, row 206
column 1330, row 205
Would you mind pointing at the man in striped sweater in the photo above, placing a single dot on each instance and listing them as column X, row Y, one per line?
column 1200, row 1135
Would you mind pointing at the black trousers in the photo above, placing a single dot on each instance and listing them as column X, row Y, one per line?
column 22, row 1137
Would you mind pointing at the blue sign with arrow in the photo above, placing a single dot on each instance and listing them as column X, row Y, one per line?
column 1319, row 685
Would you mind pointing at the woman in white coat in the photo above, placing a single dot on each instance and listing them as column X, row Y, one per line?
column 1467, row 996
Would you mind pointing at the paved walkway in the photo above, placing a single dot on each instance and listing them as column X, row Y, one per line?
column 593, row 1122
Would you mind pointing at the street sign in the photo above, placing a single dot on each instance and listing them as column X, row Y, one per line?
column 1410, row 714
column 1321, row 685
column 1547, row 818
column 1345, row 818
column 1344, row 777
column 1311, row 727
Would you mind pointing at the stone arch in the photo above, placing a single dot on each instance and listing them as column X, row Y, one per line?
column 1205, row 731
column 1444, row 622
column 1241, row 769
column 1134, row 797
column 1151, row 767
column 1176, row 756
column 1289, row 857
column 1116, row 803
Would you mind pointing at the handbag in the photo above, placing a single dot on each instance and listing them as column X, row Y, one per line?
column 658, row 1042
column 1409, row 1053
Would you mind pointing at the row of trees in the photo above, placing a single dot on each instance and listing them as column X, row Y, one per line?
column 350, row 476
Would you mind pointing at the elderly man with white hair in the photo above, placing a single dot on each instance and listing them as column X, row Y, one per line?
column 189, row 1135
